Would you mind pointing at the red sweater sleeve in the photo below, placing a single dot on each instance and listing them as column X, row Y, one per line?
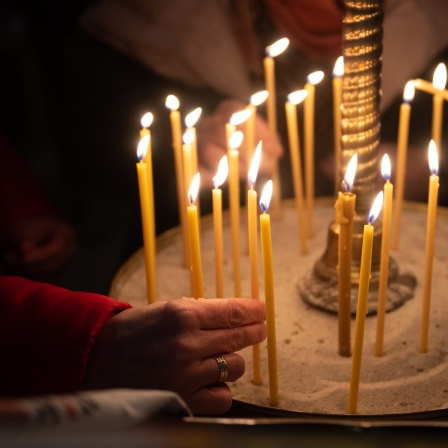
column 46, row 333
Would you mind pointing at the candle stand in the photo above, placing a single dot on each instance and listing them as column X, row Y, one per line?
column 361, row 92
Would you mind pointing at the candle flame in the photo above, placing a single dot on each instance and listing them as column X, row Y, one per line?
column 171, row 102
column 297, row 97
column 385, row 167
column 254, row 165
column 409, row 91
column 142, row 147
column 194, row 189
column 315, row 77
column 338, row 69
column 349, row 178
column 433, row 158
column 265, row 198
column 258, row 98
column 193, row 117
column 221, row 174
column 236, row 139
column 188, row 137
column 376, row 207
column 239, row 117
column 278, row 47
column 439, row 77
column 147, row 120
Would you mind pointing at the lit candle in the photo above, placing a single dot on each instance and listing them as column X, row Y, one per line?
column 218, row 180
column 197, row 288
column 439, row 82
column 188, row 177
column 254, row 101
column 363, row 293
column 172, row 103
column 235, row 120
column 294, row 99
column 313, row 79
column 430, row 238
column 253, row 249
column 190, row 122
column 147, row 213
column 338, row 72
column 268, row 273
column 402, row 149
column 384, row 262
column 146, row 121
column 272, row 51
column 234, row 205
column 345, row 215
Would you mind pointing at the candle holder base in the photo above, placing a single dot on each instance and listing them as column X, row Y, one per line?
column 320, row 289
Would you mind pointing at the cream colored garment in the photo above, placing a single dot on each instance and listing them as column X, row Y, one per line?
column 192, row 41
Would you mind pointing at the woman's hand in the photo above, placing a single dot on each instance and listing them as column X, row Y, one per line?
column 171, row 345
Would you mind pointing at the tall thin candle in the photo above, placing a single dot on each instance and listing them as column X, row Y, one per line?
column 234, row 204
column 439, row 83
column 313, row 79
column 295, row 98
column 268, row 273
column 272, row 51
column 338, row 72
column 402, row 149
column 345, row 215
column 430, row 239
column 147, row 213
column 384, row 261
column 218, row 180
column 361, row 311
column 197, row 285
column 172, row 103
column 253, row 249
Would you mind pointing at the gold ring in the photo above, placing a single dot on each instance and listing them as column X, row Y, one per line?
column 223, row 371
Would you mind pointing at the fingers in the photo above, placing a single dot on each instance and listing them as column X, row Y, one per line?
column 210, row 372
column 230, row 340
column 211, row 400
column 229, row 313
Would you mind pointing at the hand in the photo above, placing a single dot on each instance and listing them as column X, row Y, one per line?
column 169, row 345
column 212, row 142
column 38, row 247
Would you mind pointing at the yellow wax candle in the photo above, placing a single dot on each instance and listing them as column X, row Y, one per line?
column 218, row 180
column 402, row 149
column 187, row 178
column 197, row 286
column 361, row 311
column 345, row 215
column 172, row 103
column 146, row 121
column 313, row 79
column 234, row 205
column 253, row 250
column 338, row 72
column 272, row 51
column 254, row 101
column 430, row 239
column 146, row 212
column 384, row 262
column 439, row 82
column 295, row 98
column 190, row 121
column 268, row 273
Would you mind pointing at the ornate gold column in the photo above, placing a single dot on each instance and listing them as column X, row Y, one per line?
column 361, row 94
